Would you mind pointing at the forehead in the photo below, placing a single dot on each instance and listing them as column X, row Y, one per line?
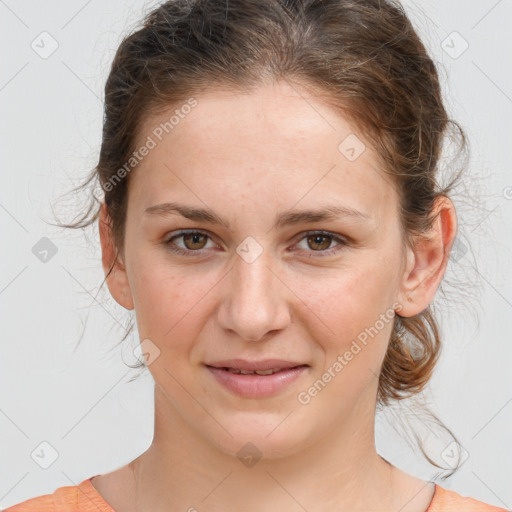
column 276, row 115
column 278, row 140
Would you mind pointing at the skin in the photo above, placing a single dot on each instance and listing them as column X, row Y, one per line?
column 249, row 157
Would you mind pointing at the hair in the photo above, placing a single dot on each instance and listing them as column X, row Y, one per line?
column 362, row 57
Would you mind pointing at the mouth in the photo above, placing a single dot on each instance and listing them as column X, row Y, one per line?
column 270, row 371
column 256, row 379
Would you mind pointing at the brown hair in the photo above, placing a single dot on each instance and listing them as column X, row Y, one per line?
column 362, row 56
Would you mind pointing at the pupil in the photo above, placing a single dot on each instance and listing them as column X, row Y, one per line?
column 194, row 237
column 316, row 239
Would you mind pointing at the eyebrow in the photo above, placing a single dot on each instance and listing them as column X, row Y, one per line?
column 287, row 218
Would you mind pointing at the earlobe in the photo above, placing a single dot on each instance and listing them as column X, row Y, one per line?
column 115, row 271
column 427, row 261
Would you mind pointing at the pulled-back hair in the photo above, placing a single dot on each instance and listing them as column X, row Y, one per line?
column 361, row 57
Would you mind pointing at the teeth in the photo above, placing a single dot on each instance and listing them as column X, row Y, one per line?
column 259, row 372
column 267, row 372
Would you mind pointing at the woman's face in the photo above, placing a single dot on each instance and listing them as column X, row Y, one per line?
column 253, row 288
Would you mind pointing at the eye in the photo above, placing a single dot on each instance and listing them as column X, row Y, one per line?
column 319, row 241
column 195, row 241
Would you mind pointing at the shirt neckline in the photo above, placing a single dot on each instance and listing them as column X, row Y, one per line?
column 95, row 496
column 92, row 494
column 434, row 498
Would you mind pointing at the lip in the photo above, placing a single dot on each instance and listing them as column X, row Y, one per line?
column 264, row 364
column 257, row 386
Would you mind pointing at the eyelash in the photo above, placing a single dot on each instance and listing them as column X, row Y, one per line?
column 317, row 254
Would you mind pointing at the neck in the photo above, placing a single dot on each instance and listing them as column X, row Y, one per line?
column 184, row 469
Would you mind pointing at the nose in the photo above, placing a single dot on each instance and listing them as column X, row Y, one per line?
column 256, row 302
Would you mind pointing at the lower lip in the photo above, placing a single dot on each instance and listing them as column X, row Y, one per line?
column 257, row 386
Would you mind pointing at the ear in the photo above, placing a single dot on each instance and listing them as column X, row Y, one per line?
column 117, row 280
column 427, row 261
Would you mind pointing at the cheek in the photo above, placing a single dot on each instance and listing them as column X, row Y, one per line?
column 346, row 313
column 348, row 326
column 169, row 302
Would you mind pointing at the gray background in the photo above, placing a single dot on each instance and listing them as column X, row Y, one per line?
column 81, row 403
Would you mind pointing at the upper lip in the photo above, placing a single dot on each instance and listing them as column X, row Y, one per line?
column 264, row 364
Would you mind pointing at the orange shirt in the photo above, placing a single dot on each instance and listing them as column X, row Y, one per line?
column 85, row 498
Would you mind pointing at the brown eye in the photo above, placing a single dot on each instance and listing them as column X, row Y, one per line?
column 188, row 243
column 194, row 241
column 318, row 244
column 315, row 242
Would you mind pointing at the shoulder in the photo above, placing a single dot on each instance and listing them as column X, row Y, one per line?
column 43, row 503
column 74, row 498
column 63, row 498
column 445, row 500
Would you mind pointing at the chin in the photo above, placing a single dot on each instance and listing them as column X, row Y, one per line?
column 259, row 437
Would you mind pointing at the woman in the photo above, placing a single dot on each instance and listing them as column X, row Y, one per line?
column 272, row 215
